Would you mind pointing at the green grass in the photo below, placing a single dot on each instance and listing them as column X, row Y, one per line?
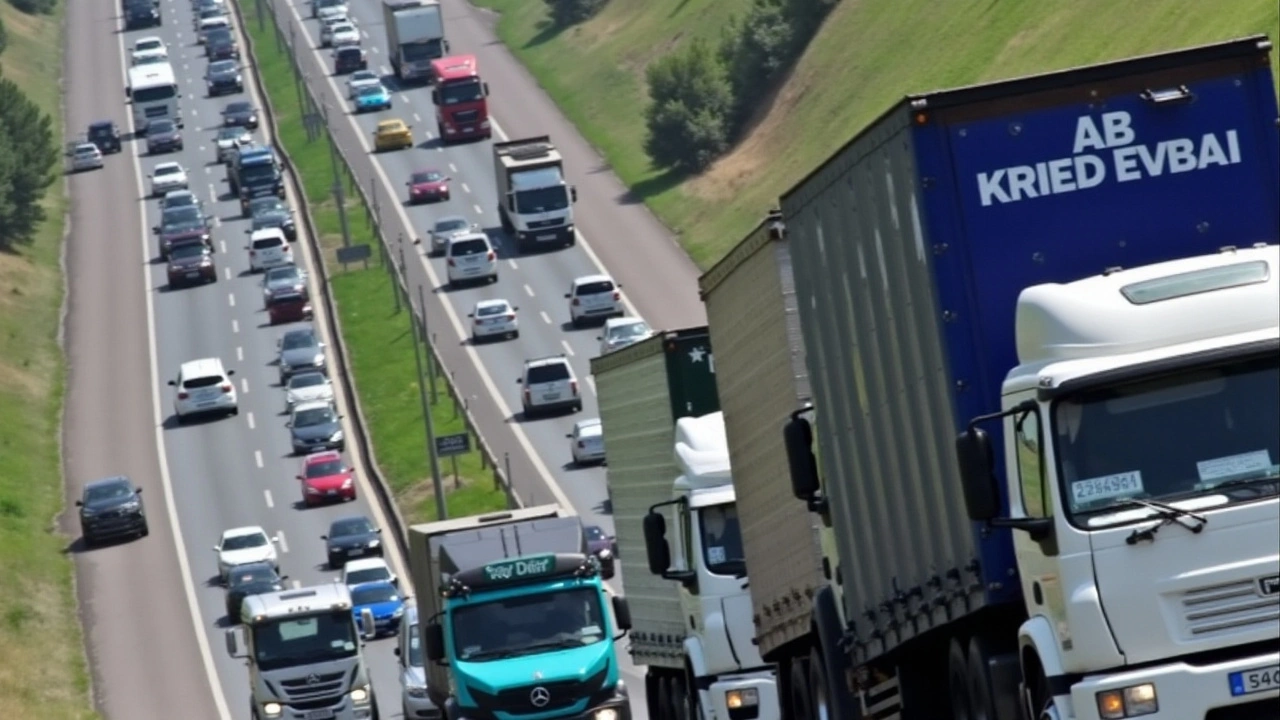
column 42, row 664
column 868, row 54
column 377, row 337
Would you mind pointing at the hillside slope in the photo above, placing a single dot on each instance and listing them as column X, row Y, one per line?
column 868, row 54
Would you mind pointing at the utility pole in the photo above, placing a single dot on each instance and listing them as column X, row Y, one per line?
column 338, row 195
column 426, row 338
column 442, row 510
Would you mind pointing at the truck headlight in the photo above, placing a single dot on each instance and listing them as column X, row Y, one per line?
column 360, row 695
column 1133, row 701
column 744, row 698
column 272, row 709
column 605, row 714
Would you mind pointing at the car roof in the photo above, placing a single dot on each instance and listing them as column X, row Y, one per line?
column 323, row 456
column 589, row 422
column 263, row 233
column 391, row 124
column 550, row 360
column 243, row 531
column 376, row 584
column 453, row 240
column 177, row 193
column 612, row 323
column 101, row 124
column 86, row 146
column 365, row 564
column 106, row 481
column 203, row 366
column 582, row 280
column 313, row 405
column 495, row 302
column 168, row 164
column 306, row 329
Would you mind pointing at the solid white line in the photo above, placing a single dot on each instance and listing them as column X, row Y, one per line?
column 171, row 508
column 567, row 348
column 284, row 545
column 545, row 317
column 231, row 298
column 213, row 195
column 239, row 354
column 465, row 188
column 244, row 385
column 267, row 494
column 257, row 458
column 528, row 290
column 250, row 419
column 235, row 326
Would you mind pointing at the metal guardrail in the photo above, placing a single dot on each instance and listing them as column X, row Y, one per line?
column 315, row 122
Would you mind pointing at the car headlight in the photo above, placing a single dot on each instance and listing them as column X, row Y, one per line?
column 346, row 484
column 374, row 543
column 1132, row 701
column 605, row 714
column 318, row 359
column 416, row 691
column 285, row 366
column 744, row 698
column 253, row 118
column 336, row 436
column 272, row 709
column 398, row 613
column 360, row 695
column 239, row 78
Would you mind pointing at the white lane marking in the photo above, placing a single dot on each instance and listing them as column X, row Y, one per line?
column 365, row 34
column 453, row 168
column 267, row 494
column 479, row 210
column 257, row 458
column 465, row 188
column 404, row 98
column 545, row 317
column 417, row 117
column 202, row 150
column 384, row 70
column 565, row 344
column 450, row 312
column 239, row 354
column 284, row 545
column 226, row 271
column 213, row 192
column 528, row 290
column 295, row 584
column 207, row 171
column 512, row 264
column 235, row 326
column 222, row 245
column 249, row 417
column 244, row 385
column 171, row 508
column 231, row 298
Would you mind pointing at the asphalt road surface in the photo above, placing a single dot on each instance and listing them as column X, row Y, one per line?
column 153, row 618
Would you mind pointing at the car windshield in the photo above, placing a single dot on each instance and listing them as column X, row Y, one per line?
column 313, row 417
column 109, row 491
column 296, row 340
column 540, row 200
column 162, row 170
column 370, row 90
column 488, row 310
column 249, row 574
column 306, row 380
column 528, row 624
column 144, row 45
column 361, row 75
column 629, row 331
column 257, row 171
column 179, row 199
column 244, row 542
column 451, row 225
column 269, row 241
column 267, row 220
column 238, row 108
column 182, row 218
column 231, row 133
column 86, row 149
column 304, row 641
column 222, row 66
column 1197, row 431
column 426, row 176
column 460, row 92
column 469, row 247
column 286, row 274
column 325, row 468
column 374, row 594
column 343, row 28
column 350, row 526
column 160, row 126
column 100, row 131
column 186, row 252
column 212, row 12
column 722, row 540
column 595, row 287
column 390, row 126
column 364, row 575
column 266, row 204
column 551, row 372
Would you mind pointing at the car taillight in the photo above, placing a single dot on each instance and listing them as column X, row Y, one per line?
column 581, row 445
column 452, row 263
column 492, row 256
column 226, row 387
column 528, row 397
column 573, row 385
column 253, row 252
column 183, row 396
column 511, row 316
column 575, row 301
column 617, row 295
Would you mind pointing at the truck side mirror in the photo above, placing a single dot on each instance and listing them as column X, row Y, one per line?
column 797, row 435
column 435, row 96
column 621, row 615
column 573, row 193
column 485, row 88
column 128, row 92
column 433, row 642
column 655, row 543
column 233, row 644
column 977, row 474
column 367, row 627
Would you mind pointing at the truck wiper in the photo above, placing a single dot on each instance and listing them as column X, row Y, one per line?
column 1169, row 515
column 561, row 643
column 493, row 654
column 1265, row 478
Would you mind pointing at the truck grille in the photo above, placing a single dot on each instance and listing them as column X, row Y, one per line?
column 317, row 687
column 537, row 224
column 563, row 694
column 466, row 116
column 1228, row 608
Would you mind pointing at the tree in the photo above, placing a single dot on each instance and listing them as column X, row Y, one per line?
column 568, row 12
column 687, row 118
column 35, row 7
column 28, row 154
column 754, row 50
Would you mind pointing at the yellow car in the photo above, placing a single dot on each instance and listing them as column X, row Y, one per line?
column 392, row 135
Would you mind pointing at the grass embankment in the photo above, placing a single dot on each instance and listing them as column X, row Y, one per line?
column 378, row 339
column 42, row 665
column 868, row 54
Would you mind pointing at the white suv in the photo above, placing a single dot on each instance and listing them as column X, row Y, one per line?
column 549, row 386
column 593, row 296
column 470, row 258
column 204, row 387
column 268, row 248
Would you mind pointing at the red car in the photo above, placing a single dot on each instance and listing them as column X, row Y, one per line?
column 428, row 185
column 325, row 479
column 288, row 307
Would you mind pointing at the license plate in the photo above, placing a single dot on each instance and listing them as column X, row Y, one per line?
column 193, row 274
column 551, row 396
column 332, row 492
column 318, row 714
column 355, row 551
column 546, row 237
column 468, row 129
column 1247, row 682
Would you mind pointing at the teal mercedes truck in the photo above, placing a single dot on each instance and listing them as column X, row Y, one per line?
column 516, row 620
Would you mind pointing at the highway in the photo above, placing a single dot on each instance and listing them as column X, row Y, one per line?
column 153, row 618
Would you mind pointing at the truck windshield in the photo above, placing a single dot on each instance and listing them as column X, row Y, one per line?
column 539, row 200
column 461, row 91
column 1191, row 432
column 304, row 640
column 423, row 51
column 154, row 94
column 528, row 624
column 249, row 174
column 722, row 540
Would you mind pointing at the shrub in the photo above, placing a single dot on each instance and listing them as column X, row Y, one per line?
column 35, row 7
column 754, row 50
column 687, row 118
column 568, row 12
column 28, row 154
column 4, row 37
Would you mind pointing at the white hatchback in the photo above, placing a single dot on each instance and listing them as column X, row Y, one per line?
column 367, row 570
column 168, row 176
column 621, row 332
column 593, row 296
column 493, row 319
column 470, row 258
column 243, row 545
column 204, row 387
column 586, row 442
column 150, row 45
column 268, row 248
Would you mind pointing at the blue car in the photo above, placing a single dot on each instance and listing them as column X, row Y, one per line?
column 373, row 97
column 383, row 600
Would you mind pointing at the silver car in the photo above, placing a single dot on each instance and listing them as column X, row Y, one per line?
column 415, row 703
column 621, row 332
column 300, row 351
column 307, row 387
column 85, row 156
column 586, row 442
column 447, row 228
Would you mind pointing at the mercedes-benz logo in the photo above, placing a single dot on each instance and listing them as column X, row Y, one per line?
column 313, row 679
column 540, row 697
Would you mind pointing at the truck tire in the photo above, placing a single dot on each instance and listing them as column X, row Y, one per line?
column 982, row 696
column 799, row 702
column 664, row 704
column 958, row 681
column 827, row 664
column 824, row 707
column 679, row 698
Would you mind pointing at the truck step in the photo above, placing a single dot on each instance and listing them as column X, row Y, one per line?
column 883, row 701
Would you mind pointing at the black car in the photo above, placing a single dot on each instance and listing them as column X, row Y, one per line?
column 111, row 508
column 141, row 14
column 250, row 579
column 351, row 537
column 240, row 113
column 163, row 135
column 221, row 45
column 272, row 212
column 190, row 262
column 348, row 59
column 223, row 76
column 106, row 135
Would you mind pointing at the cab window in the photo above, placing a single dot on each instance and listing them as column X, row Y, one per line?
column 1026, row 431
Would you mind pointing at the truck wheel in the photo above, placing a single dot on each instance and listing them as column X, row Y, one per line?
column 823, row 707
column 679, row 699
column 958, row 681
column 652, row 692
column 800, row 702
column 982, row 705
column 664, row 698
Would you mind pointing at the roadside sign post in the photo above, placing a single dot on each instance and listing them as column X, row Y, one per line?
column 451, row 446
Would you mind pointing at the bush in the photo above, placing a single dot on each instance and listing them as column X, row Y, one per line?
column 568, row 12
column 754, row 50
column 687, row 118
column 35, row 7
column 28, row 154
column 4, row 37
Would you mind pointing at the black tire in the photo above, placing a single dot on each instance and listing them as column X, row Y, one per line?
column 180, row 419
column 824, row 708
column 515, row 334
column 800, row 702
column 958, row 680
column 679, row 699
column 146, row 530
column 982, row 697
column 578, row 407
column 665, row 709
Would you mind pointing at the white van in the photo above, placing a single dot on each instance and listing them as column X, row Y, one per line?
column 204, row 387
column 470, row 258
column 268, row 248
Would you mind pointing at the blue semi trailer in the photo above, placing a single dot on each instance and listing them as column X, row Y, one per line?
column 912, row 248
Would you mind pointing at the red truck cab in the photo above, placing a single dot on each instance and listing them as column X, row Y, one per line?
column 462, row 112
